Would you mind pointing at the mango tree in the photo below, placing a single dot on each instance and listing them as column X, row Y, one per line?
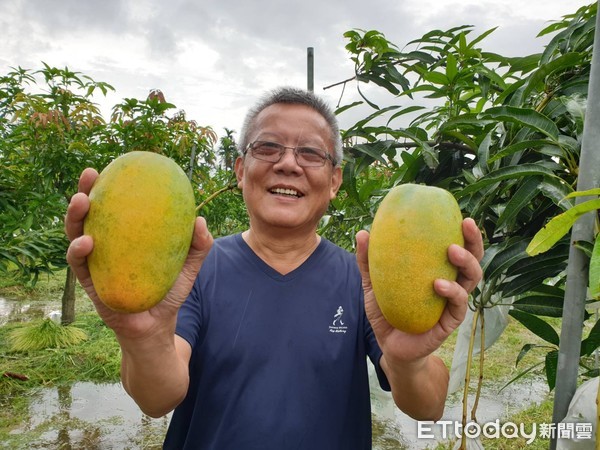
column 47, row 139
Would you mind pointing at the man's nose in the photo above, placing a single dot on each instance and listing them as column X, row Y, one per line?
column 288, row 157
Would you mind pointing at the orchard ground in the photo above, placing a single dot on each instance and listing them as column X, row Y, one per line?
column 72, row 396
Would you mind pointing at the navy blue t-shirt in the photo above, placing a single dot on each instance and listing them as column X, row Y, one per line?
column 278, row 361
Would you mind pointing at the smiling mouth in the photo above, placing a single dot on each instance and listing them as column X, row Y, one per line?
column 286, row 192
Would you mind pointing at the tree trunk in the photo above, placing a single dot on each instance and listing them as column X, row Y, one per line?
column 68, row 299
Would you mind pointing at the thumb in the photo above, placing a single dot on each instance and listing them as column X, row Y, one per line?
column 201, row 244
column 362, row 256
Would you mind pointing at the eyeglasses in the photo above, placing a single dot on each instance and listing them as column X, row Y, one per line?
column 273, row 152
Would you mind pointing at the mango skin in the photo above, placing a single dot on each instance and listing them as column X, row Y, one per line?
column 141, row 218
column 408, row 249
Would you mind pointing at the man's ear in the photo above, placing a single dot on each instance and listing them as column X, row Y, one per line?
column 239, row 171
column 336, row 181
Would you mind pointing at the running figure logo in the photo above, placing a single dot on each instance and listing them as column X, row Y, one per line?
column 338, row 326
column 338, row 316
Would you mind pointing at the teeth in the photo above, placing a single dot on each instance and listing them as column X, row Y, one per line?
column 286, row 192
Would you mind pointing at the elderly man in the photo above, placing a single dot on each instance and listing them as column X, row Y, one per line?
column 262, row 343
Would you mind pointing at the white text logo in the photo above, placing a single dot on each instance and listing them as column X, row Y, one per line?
column 337, row 326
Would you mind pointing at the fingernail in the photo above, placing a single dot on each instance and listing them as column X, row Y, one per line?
column 443, row 284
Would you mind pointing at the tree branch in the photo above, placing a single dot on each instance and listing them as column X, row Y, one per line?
column 211, row 197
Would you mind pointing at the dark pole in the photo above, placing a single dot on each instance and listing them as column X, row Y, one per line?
column 192, row 162
column 310, row 69
column 578, row 266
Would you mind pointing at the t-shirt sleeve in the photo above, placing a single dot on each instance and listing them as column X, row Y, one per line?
column 190, row 316
column 375, row 354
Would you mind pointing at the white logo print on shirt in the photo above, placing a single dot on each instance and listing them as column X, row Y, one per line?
column 337, row 319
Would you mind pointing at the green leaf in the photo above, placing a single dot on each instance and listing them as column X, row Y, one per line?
column 524, row 117
column 375, row 149
column 464, row 120
column 481, row 37
column 595, row 271
column 520, row 375
column 378, row 80
column 451, row 67
column 435, row 78
column 483, row 151
column 379, row 112
column 519, row 200
column 557, row 190
column 550, row 291
column 537, row 326
column 491, row 75
column 526, row 349
column 540, row 262
column 429, row 153
column 346, row 107
column 540, row 305
column 349, row 180
column 592, row 341
column 562, row 63
column 551, row 366
column 586, row 193
column 519, row 146
column 403, row 111
column 505, row 173
column 529, row 281
column 559, row 226
column 360, row 92
column 505, row 258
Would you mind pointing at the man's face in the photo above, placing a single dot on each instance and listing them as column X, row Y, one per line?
column 283, row 195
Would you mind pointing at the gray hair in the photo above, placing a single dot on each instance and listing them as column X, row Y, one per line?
column 293, row 96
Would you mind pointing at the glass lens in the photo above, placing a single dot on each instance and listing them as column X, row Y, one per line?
column 308, row 156
column 267, row 151
column 272, row 152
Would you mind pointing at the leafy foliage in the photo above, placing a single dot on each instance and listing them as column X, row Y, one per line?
column 47, row 138
column 503, row 136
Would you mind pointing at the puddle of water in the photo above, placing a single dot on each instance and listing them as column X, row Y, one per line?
column 87, row 416
column 102, row 416
column 24, row 311
column 399, row 428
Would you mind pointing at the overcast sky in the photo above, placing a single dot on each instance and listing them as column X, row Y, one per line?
column 213, row 58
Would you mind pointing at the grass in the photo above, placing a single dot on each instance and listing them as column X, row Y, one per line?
column 44, row 334
column 95, row 359
column 47, row 286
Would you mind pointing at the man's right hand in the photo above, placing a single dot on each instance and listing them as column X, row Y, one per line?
column 127, row 326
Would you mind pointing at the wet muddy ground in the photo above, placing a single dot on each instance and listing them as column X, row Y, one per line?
column 87, row 416
column 103, row 416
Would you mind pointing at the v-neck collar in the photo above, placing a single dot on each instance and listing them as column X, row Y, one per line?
column 270, row 271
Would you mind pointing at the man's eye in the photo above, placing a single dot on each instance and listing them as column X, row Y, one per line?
column 269, row 147
column 310, row 153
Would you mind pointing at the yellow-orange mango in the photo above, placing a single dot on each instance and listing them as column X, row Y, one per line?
column 408, row 249
column 141, row 218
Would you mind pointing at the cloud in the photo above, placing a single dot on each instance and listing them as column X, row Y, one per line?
column 56, row 17
column 213, row 58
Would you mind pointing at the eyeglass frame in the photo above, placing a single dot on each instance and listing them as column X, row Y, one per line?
column 282, row 148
